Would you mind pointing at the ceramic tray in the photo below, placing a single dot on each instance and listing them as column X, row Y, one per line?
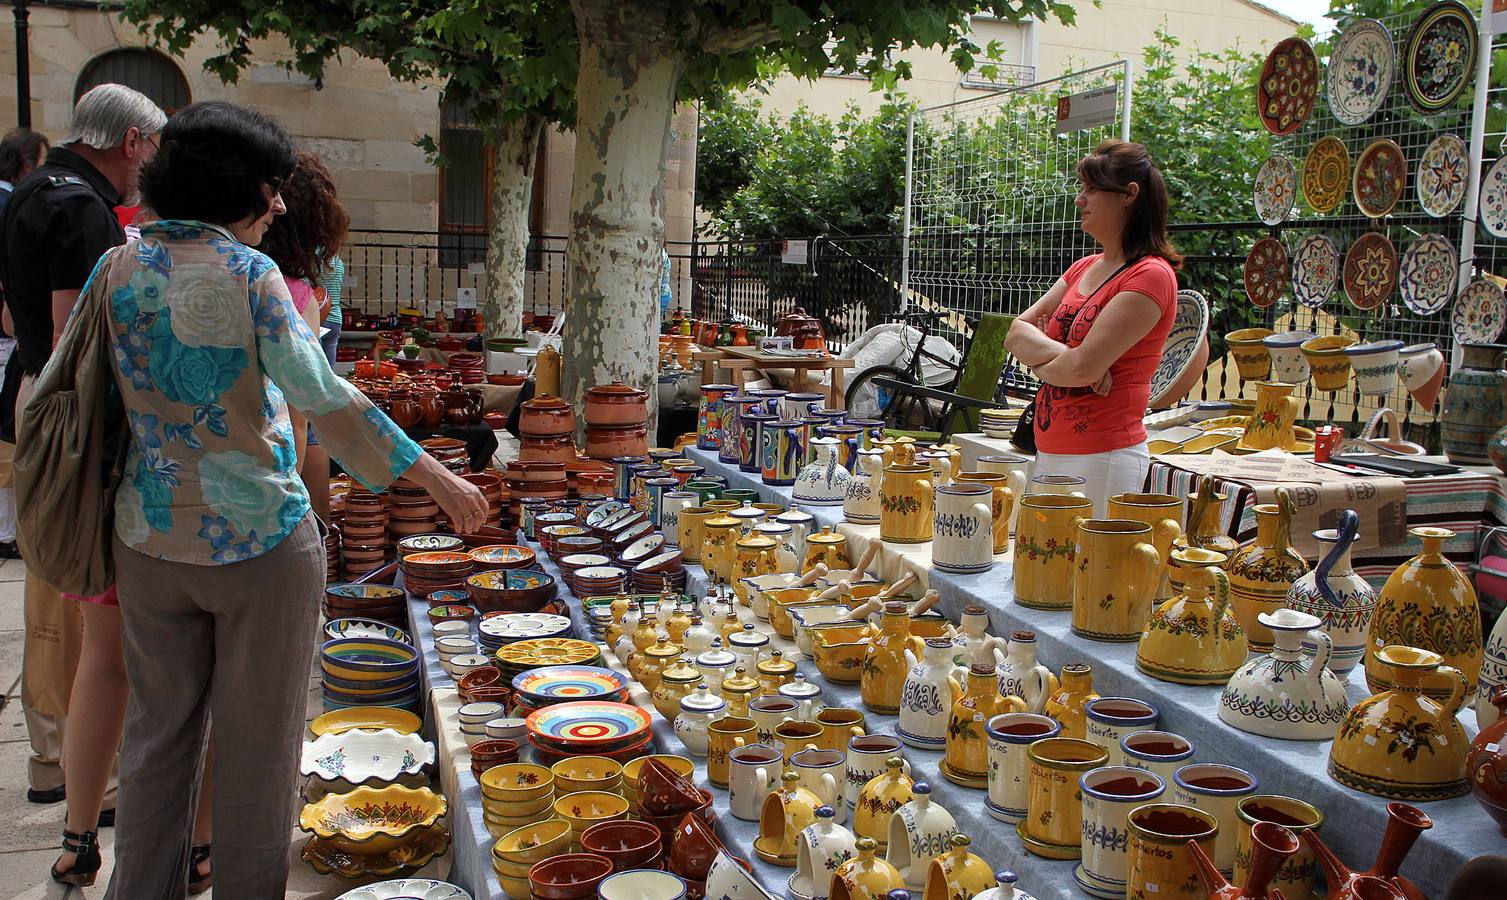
column 1276, row 189
column 1478, row 313
column 1287, row 87
column 1267, row 271
column 1440, row 179
column 1439, row 56
column 1326, row 174
column 1380, row 174
column 1315, row 270
column 1370, row 270
column 521, row 626
column 1428, row 274
column 1359, row 73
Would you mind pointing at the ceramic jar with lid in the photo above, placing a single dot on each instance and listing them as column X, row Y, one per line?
column 655, row 660
column 545, row 416
column 1194, row 638
column 748, row 645
column 1342, row 599
column 774, row 672
column 698, row 710
column 715, row 664
column 698, row 637
column 932, row 688
column 826, row 547
column 1287, row 693
column 756, row 555
column 616, row 405
column 738, row 689
column 918, row 833
column 823, row 848
column 785, row 559
column 804, row 693
column 748, row 517
column 861, row 503
column 805, row 331
column 676, row 682
column 1427, row 603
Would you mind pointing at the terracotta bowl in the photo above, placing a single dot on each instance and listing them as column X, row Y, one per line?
column 573, row 876
column 511, row 590
column 663, row 792
column 668, row 824
column 450, row 612
column 492, row 693
column 693, row 848
column 629, row 844
column 482, row 677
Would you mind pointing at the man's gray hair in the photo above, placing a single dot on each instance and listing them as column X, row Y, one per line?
column 102, row 117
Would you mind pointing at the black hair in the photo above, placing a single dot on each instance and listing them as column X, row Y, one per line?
column 212, row 163
column 19, row 150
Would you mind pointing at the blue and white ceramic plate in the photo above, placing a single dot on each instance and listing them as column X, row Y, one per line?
column 1428, row 273
column 1189, row 327
column 1479, row 313
column 1359, row 74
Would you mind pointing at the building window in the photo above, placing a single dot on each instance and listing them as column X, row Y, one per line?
column 465, row 192
column 140, row 69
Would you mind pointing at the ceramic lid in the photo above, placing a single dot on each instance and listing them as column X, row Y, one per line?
column 826, row 536
column 793, row 516
column 747, row 510
column 776, row 665
column 716, row 658
column 799, row 689
column 702, row 700
column 748, row 637
column 663, row 649
column 740, row 682
column 1288, row 620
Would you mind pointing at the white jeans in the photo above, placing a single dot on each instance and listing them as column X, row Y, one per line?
column 1104, row 474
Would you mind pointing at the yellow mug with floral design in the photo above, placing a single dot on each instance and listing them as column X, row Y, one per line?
column 1045, row 538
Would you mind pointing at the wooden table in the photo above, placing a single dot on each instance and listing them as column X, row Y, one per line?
column 740, row 361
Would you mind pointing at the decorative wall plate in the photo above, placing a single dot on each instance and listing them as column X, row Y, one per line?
column 1370, row 270
column 1381, row 171
column 1494, row 199
column 1428, row 274
column 1288, row 86
column 1440, row 179
column 1439, row 56
column 1189, row 328
column 1267, row 269
column 1326, row 174
column 1359, row 73
column 1276, row 189
column 1315, row 270
column 1479, row 312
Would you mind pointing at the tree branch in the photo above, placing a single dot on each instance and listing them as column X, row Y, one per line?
column 738, row 40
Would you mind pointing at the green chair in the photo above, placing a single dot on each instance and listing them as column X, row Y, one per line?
column 983, row 361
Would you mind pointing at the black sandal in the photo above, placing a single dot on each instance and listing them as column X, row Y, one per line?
column 86, row 860
column 199, row 854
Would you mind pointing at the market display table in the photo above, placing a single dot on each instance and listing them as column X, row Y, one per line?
column 974, row 444
column 741, row 361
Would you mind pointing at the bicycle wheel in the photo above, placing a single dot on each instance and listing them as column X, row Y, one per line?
column 898, row 409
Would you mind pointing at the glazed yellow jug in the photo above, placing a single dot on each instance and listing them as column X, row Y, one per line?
column 884, row 663
column 967, row 759
column 1002, row 501
column 906, row 504
column 1262, row 571
column 1427, row 603
column 756, row 555
column 1194, row 638
column 719, row 547
column 1401, row 743
column 1202, row 530
column 1066, row 703
column 1271, row 424
column 1045, row 536
column 692, row 531
column 1115, row 579
column 1163, row 513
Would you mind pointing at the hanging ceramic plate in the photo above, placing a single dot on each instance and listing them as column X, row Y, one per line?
column 1359, row 73
column 1315, row 270
column 1439, row 56
column 1370, row 270
column 587, row 723
column 1189, row 328
column 1494, row 199
column 1441, row 175
column 1380, row 173
column 1289, row 83
column 1428, row 274
column 1276, row 189
column 1326, row 174
column 1478, row 313
column 1266, row 272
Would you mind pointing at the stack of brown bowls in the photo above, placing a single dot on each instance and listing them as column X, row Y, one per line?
column 378, row 602
column 572, row 562
column 410, row 510
column 541, row 478
column 451, row 453
column 661, row 573
column 490, row 485
column 363, row 544
column 617, row 417
column 438, row 570
column 501, row 556
column 332, row 554
column 548, row 534
column 546, row 428
column 600, row 581
column 469, row 368
column 493, row 752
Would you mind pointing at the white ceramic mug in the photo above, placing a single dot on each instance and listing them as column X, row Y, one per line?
column 752, row 772
column 1009, row 736
column 1216, row 789
column 822, row 773
column 1161, row 752
column 962, row 533
column 768, row 712
column 1289, row 365
column 1109, row 794
column 867, row 755
column 1108, row 719
column 670, row 505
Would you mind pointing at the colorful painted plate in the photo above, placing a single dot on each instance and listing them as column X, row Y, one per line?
column 1326, row 174
column 1315, row 270
column 1288, row 86
column 1370, row 270
column 420, row 543
column 519, row 626
column 1359, row 73
column 1380, row 174
column 504, row 555
column 436, row 559
column 553, row 684
column 1276, row 189
column 548, row 652
column 588, row 723
column 602, row 513
column 1440, row 180
column 1439, row 56
column 1494, row 199
column 1479, row 312
column 1428, row 274
column 1189, row 328
column 373, row 592
column 1267, row 269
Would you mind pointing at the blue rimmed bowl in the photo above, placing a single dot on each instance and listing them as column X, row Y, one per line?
column 365, row 628
column 367, row 659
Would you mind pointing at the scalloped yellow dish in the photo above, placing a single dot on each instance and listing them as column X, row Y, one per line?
column 372, row 820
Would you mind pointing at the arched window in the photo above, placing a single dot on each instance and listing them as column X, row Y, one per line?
column 144, row 70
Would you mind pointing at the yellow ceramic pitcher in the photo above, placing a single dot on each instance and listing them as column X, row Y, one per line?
column 906, row 504
column 1271, row 424
column 1194, row 637
column 1115, row 579
column 718, row 547
column 1162, row 512
column 1044, row 549
column 1262, row 571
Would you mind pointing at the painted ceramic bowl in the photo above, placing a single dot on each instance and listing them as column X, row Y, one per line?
column 367, row 659
column 502, row 556
column 362, row 756
column 365, row 628
column 533, row 843
column 556, row 684
column 573, row 876
column 517, row 782
column 398, row 720
column 508, row 590
column 629, row 844
column 372, row 820
column 450, row 613
column 587, row 808
column 646, row 884
column 407, row 889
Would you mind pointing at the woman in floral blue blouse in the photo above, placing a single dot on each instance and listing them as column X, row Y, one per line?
column 220, row 564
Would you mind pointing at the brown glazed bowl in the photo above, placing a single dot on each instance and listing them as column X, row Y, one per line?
column 693, row 848
column 572, row 876
column 629, row 844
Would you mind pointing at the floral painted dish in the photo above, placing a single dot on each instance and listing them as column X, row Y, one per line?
column 1288, row 86
column 552, row 684
column 548, row 652
column 359, row 756
column 1370, row 270
column 1478, row 313
column 1267, row 269
column 407, row 889
column 365, row 628
column 1442, row 170
column 588, row 723
column 503, row 556
column 372, row 820
column 425, row 543
column 1494, row 199
column 1315, row 270
column 1359, row 73
column 1326, row 174
column 1439, row 56
column 604, row 512
column 373, row 592
column 1276, row 190
column 1190, row 325
column 328, row 858
column 448, row 597
column 1381, row 171
column 1428, row 274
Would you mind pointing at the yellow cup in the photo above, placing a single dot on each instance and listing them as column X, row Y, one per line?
column 1164, row 513
column 839, row 725
column 1295, row 875
column 1160, row 862
column 1115, row 579
column 1054, row 807
column 722, row 737
column 693, row 531
column 1045, row 536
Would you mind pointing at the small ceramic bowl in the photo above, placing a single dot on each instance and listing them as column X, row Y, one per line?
column 504, row 809
column 492, row 693
column 573, row 876
column 479, row 714
column 587, row 808
column 449, row 613
column 629, row 844
column 481, row 676
column 364, row 628
column 507, row 728
column 677, row 764
column 533, row 843
column 454, row 646
column 587, row 773
column 452, row 628
column 517, row 781
column 643, row 884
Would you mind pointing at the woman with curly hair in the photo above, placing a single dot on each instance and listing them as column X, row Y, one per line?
column 303, row 242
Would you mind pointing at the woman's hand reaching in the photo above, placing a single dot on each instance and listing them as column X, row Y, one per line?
column 462, row 501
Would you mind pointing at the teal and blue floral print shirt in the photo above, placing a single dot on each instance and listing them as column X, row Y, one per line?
column 209, row 354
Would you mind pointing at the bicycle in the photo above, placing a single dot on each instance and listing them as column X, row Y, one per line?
column 899, row 409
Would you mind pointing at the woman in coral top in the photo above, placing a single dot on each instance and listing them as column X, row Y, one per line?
column 1096, row 337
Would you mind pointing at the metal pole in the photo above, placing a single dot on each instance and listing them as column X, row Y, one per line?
column 910, row 145
column 1125, row 100
column 23, row 64
column 1477, row 150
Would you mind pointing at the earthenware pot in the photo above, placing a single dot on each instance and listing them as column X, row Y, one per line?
column 1252, row 359
column 1262, row 572
column 1342, row 600
column 1115, row 579
column 1287, row 693
column 1475, row 404
column 1194, row 637
column 1404, row 824
column 1486, row 765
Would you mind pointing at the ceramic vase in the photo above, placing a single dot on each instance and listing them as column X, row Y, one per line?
column 1429, row 604
column 1045, row 542
column 1109, row 794
column 1400, row 743
column 861, row 504
column 1194, row 638
column 1053, row 825
column 1262, row 572
column 780, row 452
column 958, row 874
column 1066, row 703
column 1115, row 580
column 1486, row 765
column 885, row 665
column 823, row 848
column 932, row 687
column 1020, row 675
column 1287, row 693
column 1475, row 405
column 918, row 832
column 905, row 503
column 967, row 759
column 1162, row 512
column 1341, row 599
column 962, row 529
column 1271, row 425
column 823, row 482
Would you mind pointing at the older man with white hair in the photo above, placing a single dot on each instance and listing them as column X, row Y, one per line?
column 59, row 221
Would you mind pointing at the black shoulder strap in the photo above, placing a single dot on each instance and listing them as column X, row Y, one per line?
column 61, row 180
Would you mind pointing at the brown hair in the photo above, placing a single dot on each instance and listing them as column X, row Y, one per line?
column 1113, row 167
column 302, row 240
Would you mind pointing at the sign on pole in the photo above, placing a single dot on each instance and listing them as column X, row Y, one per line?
column 1090, row 109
